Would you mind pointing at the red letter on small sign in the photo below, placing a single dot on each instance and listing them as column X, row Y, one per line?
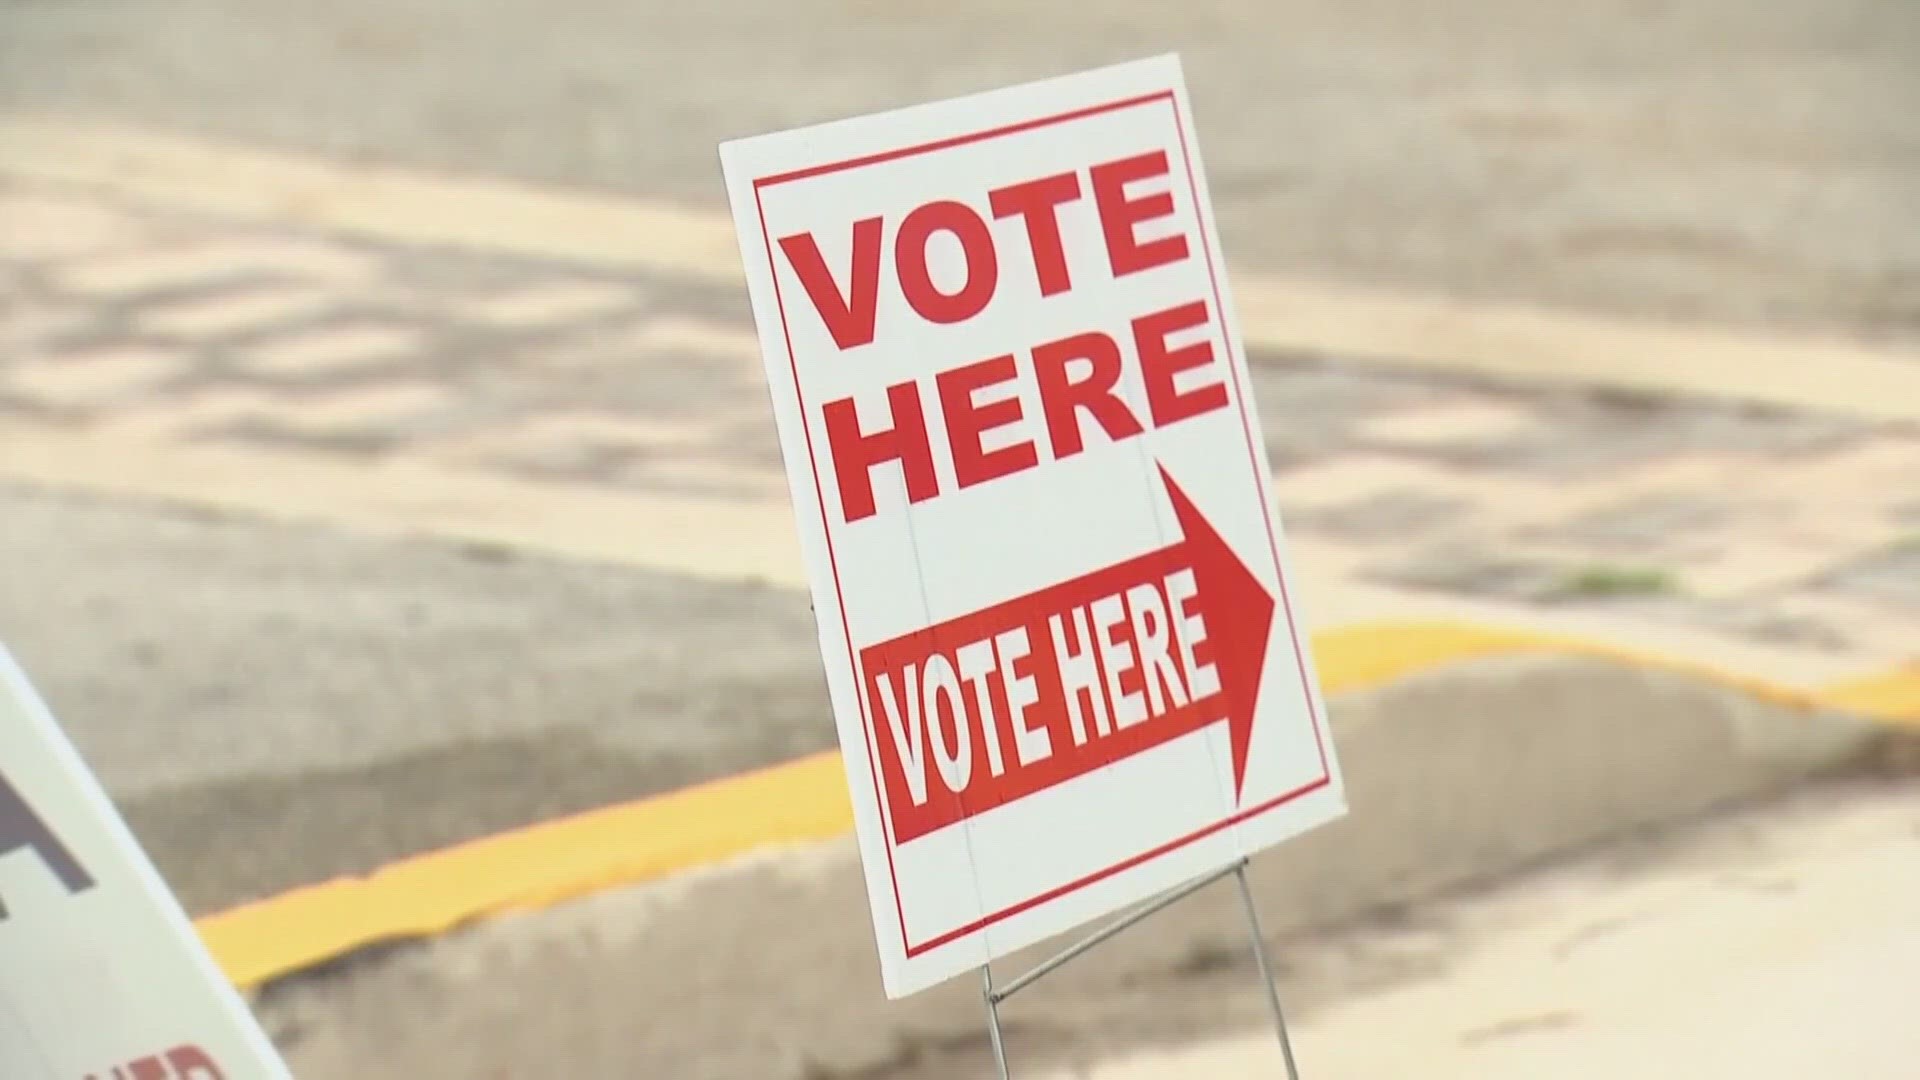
column 967, row 420
column 1159, row 364
column 1062, row 396
column 193, row 1063
column 855, row 454
column 1037, row 202
column 848, row 318
column 916, row 280
column 1120, row 216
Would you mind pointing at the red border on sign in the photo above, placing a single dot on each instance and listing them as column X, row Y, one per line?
column 1253, row 452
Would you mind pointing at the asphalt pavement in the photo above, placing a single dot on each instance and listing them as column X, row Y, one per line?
column 1705, row 159
column 276, row 705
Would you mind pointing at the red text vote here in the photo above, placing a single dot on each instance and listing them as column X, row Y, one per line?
column 1038, row 399
column 186, row 1062
column 995, row 705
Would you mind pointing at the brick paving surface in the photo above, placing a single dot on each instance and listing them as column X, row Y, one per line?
column 1795, row 529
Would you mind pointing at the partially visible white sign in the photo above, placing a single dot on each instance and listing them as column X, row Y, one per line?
column 102, row 976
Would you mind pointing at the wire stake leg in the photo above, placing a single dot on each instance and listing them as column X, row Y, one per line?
column 993, row 1020
column 1266, row 970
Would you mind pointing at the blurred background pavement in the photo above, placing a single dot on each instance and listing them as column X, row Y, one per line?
column 339, row 530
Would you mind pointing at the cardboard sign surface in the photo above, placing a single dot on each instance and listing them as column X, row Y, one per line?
column 1033, row 496
column 102, row 976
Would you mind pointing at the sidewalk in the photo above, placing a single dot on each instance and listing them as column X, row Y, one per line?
column 1781, row 943
column 618, row 414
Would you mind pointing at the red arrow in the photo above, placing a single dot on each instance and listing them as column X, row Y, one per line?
column 1000, row 703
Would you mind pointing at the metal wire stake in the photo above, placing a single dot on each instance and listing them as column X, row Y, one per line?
column 993, row 1020
column 1266, row 974
column 1122, row 922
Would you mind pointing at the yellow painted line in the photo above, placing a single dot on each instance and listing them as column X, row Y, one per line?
column 806, row 800
column 1283, row 313
column 1893, row 695
column 429, row 894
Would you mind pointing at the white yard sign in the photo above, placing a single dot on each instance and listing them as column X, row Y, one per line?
column 101, row 975
column 1033, row 499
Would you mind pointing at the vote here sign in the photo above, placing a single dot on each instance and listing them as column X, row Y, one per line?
column 1032, row 496
column 101, row 975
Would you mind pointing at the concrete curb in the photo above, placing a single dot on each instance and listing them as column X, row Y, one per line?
column 805, row 800
column 1456, row 775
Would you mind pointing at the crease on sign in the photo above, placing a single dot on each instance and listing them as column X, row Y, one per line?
column 937, row 629
column 805, row 800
